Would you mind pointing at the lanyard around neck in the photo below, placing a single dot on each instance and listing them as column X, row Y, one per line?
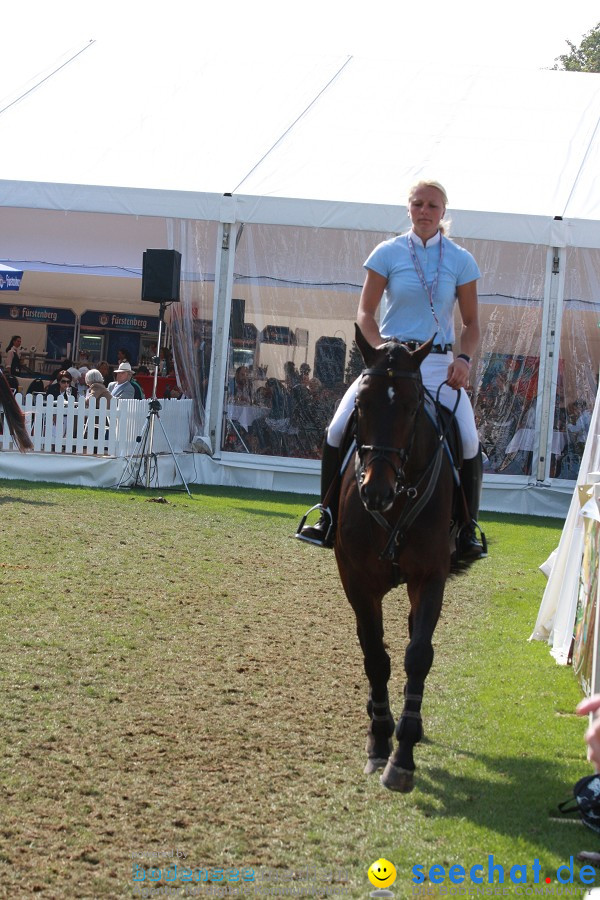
column 430, row 291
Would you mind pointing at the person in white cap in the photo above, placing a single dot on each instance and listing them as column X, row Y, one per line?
column 121, row 388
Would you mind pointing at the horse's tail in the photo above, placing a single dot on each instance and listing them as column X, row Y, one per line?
column 13, row 417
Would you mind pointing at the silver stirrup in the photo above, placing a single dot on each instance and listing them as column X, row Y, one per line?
column 324, row 510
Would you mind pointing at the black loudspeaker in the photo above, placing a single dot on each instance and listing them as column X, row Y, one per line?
column 161, row 274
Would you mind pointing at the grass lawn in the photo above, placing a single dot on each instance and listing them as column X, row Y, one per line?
column 183, row 677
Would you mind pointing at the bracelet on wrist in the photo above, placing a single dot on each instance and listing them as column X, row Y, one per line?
column 465, row 358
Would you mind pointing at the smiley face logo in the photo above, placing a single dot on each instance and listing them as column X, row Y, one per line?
column 382, row 873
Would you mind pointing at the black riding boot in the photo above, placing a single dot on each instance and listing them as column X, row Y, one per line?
column 471, row 476
column 323, row 532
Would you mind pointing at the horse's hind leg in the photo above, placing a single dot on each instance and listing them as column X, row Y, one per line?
column 377, row 668
column 426, row 604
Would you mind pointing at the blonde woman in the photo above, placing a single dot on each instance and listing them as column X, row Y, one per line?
column 417, row 278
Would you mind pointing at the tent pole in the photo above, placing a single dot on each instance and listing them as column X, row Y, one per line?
column 226, row 243
column 549, row 358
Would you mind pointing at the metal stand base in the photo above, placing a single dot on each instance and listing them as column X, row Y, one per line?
column 145, row 457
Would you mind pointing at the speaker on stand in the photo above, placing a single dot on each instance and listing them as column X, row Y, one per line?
column 161, row 275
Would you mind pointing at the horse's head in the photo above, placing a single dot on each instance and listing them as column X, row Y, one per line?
column 389, row 398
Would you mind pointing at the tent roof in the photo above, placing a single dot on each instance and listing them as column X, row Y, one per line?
column 329, row 142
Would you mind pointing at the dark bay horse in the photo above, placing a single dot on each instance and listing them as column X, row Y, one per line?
column 394, row 526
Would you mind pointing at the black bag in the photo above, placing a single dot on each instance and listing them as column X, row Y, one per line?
column 586, row 794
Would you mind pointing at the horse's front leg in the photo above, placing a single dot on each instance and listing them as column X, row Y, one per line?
column 369, row 628
column 426, row 605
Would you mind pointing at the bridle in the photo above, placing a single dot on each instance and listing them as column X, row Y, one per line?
column 382, row 451
column 418, row 494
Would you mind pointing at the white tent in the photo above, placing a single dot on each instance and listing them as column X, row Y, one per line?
column 338, row 140
column 128, row 147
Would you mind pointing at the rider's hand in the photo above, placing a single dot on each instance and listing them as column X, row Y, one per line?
column 458, row 373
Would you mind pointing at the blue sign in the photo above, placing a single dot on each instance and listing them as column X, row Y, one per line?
column 119, row 321
column 44, row 315
column 10, row 279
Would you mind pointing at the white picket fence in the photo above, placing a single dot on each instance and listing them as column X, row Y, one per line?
column 73, row 427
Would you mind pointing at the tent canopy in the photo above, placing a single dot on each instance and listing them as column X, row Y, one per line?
column 328, row 142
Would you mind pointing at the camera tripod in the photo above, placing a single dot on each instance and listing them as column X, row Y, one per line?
column 143, row 453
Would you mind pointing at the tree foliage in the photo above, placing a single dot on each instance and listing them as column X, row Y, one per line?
column 586, row 57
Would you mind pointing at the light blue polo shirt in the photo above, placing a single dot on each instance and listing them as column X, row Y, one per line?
column 405, row 308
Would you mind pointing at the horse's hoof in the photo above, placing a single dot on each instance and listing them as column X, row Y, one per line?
column 373, row 764
column 375, row 748
column 395, row 779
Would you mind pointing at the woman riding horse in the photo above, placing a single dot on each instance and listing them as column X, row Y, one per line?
column 13, row 417
column 396, row 507
column 419, row 276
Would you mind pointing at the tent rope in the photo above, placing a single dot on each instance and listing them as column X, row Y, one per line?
column 38, row 84
column 289, row 128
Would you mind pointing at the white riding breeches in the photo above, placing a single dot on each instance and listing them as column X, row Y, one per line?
column 434, row 371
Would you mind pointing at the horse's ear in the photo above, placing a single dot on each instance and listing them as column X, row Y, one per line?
column 424, row 350
column 366, row 350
